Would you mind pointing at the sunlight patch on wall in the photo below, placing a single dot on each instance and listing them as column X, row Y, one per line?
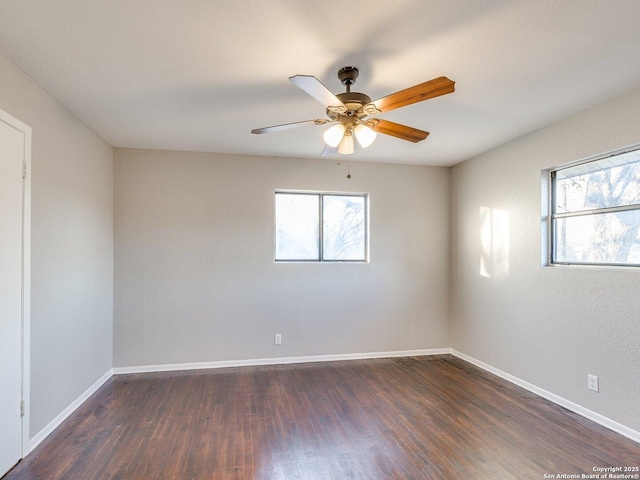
column 494, row 243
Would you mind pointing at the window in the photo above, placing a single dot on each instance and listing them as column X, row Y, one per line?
column 595, row 211
column 321, row 227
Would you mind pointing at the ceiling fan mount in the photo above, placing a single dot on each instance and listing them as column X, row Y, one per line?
column 348, row 75
column 350, row 109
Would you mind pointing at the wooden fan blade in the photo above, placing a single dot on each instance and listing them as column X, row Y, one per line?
column 287, row 126
column 317, row 90
column 397, row 130
column 327, row 150
column 417, row 93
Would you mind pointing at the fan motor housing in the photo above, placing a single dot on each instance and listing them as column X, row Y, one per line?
column 354, row 102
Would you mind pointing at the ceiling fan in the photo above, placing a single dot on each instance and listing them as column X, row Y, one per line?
column 349, row 111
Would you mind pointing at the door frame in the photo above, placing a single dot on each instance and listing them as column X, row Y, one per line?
column 26, row 275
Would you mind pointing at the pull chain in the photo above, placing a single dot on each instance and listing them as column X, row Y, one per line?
column 339, row 162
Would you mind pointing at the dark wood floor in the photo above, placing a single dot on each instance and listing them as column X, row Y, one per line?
column 404, row 418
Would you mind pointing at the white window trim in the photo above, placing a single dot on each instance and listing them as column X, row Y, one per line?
column 320, row 259
column 548, row 233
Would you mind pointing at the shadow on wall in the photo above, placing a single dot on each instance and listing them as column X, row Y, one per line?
column 494, row 243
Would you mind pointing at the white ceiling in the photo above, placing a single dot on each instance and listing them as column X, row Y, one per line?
column 198, row 75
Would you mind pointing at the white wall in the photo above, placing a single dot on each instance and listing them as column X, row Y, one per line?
column 548, row 326
column 195, row 279
column 71, row 248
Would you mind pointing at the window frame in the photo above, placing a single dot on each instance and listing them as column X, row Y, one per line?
column 320, row 234
column 553, row 215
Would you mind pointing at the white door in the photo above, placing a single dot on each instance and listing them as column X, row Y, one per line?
column 12, row 155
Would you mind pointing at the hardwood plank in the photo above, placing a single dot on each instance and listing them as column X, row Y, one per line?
column 402, row 418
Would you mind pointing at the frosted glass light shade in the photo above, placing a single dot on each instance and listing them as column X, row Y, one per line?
column 333, row 135
column 346, row 145
column 365, row 135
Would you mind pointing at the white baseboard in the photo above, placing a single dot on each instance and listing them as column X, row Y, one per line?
column 277, row 361
column 55, row 423
column 574, row 407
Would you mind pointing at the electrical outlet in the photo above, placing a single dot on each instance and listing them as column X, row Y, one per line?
column 593, row 383
column 277, row 338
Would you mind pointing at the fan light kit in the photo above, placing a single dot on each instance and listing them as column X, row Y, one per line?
column 349, row 111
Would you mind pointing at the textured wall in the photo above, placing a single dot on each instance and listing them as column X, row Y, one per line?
column 549, row 326
column 71, row 248
column 195, row 279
